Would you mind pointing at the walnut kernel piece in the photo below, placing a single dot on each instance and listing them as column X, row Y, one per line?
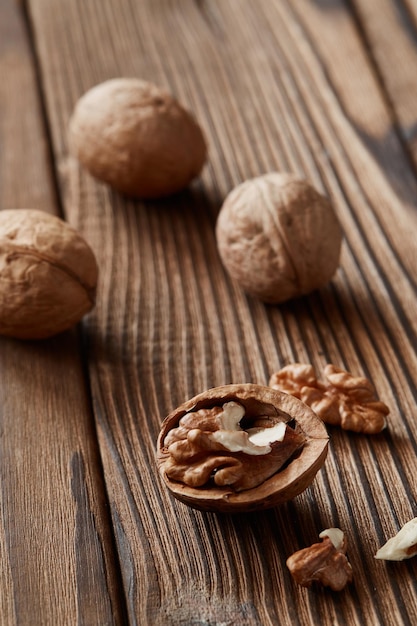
column 343, row 399
column 240, row 448
column 278, row 237
column 137, row 138
column 324, row 562
column 48, row 274
column 402, row 546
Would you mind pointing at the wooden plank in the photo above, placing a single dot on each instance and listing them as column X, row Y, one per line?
column 390, row 30
column 276, row 85
column 57, row 565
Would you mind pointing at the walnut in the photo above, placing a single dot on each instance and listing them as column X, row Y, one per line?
column 324, row 563
column 278, row 237
column 402, row 546
column 240, row 448
column 48, row 274
column 344, row 399
column 137, row 138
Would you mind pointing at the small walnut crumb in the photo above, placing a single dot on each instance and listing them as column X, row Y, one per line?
column 324, row 562
column 336, row 536
column 210, row 445
column 345, row 400
column 402, row 546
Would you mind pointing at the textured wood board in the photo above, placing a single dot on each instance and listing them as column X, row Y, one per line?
column 390, row 30
column 57, row 563
column 276, row 85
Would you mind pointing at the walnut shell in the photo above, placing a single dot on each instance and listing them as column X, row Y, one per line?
column 137, row 138
column 48, row 274
column 278, row 237
column 295, row 476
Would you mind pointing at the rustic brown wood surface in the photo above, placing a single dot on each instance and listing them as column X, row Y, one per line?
column 310, row 86
column 57, row 562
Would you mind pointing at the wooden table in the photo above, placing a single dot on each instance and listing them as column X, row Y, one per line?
column 323, row 88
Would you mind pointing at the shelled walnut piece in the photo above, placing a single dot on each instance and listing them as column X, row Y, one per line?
column 325, row 563
column 402, row 546
column 48, row 274
column 240, row 447
column 345, row 400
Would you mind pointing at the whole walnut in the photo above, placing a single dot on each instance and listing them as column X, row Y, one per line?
column 48, row 274
column 137, row 138
column 278, row 237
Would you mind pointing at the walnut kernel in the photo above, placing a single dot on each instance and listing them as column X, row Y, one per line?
column 137, row 138
column 210, row 445
column 324, row 563
column 278, row 237
column 402, row 546
column 48, row 274
column 240, row 448
column 343, row 399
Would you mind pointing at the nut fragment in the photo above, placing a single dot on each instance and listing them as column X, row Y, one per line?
column 324, row 562
column 344, row 399
column 402, row 546
column 278, row 237
column 137, row 138
column 239, row 448
column 48, row 274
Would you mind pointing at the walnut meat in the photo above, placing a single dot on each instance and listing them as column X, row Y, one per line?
column 325, row 563
column 210, row 445
column 343, row 399
column 402, row 546
column 240, row 448
column 137, row 138
column 278, row 237
column 48, row 274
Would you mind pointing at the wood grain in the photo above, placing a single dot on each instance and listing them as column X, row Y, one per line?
column 57, row 563
column 395, row 57
column 276, row 85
